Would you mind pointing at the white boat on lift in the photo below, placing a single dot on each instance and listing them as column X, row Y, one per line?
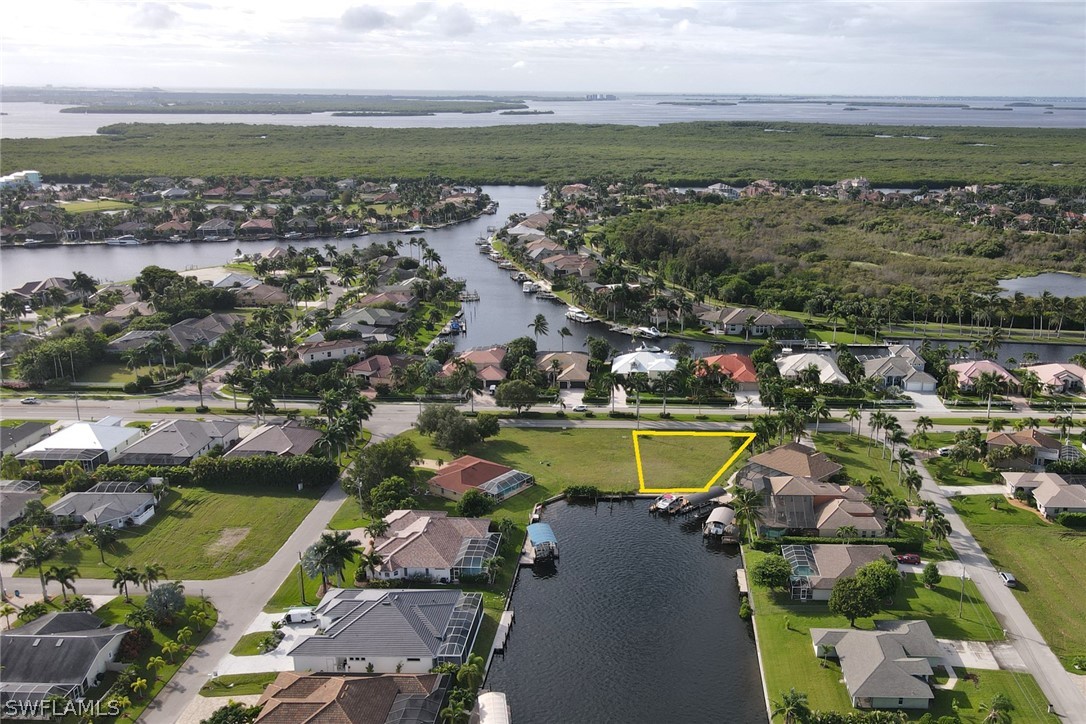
column 578, row 315
column 666, row 503
column 124, row 240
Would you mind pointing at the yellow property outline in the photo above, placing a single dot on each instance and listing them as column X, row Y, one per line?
column 675, row 433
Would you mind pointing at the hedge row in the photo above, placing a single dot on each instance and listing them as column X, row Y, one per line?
column 211, row 472
column 900, row 545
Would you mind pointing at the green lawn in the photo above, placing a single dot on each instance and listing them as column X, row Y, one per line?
column 115, row 612
column 349, row 516
column 11, row 422
column 238, row 684
column 107, row 373
column 1047, row 561
column 202, row 533
column 247, row 644
column 785, row 645
column 942, row 469
column 85, row 207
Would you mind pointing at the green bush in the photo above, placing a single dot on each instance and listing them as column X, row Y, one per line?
column 1072, row 520
column 581, row 492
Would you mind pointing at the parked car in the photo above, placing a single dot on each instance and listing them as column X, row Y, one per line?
column 300, row 615
column 581, row 408
column 1008, row 579
column 30, row 401
column 944, row 451
column 910, row 558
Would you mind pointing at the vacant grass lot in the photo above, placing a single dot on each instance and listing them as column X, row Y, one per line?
column 785, row 647
column 247, row 644
column 110, row 373
column 238, row 684
column 1047, row 561
column 202, row 533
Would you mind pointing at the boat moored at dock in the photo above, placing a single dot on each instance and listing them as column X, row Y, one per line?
column 125, row 240
column 541, row 545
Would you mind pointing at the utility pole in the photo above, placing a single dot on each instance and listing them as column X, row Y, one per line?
column 77, row 416
column 301, row 577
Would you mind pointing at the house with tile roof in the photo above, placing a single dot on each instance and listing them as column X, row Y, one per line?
column 1042, row 448
column 487, row 361
column 793, row 365
column 888, row 668
column 390, row 630
column 295, row 698
column 1061, row 377
column 471, row 473
column 380, row 369
column 739, row 367
column 969, row 372
column 792, row 458
column 571, row 369
column 747, row 322
column 431, row 545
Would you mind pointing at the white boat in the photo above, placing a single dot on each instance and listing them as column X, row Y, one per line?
column 544, row 294
column 647, row 348
column 666, row 503
column 720, row 522
column 414, row 229
column 578, row 315
column 530, row 288
column 506, row 265
column 482, row 241
column 125, row 240
column 176, row 239
column 495, row 256
column 292, row 235
column 31, row 243
column 486, row 249
column 650, row 332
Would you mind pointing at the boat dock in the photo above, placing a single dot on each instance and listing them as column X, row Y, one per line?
column 502, row 635
column 472, row 296
column 695, row 502
column 741, row 579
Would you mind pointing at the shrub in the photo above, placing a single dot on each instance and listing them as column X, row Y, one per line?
column 745, row 611
column 165, row 602
column 474, row 504
column 33, row 611
column 771, row 572
column 580, row 492
column 1072, row 520
column 931, row 575
column 133, row 644
column 270, row 642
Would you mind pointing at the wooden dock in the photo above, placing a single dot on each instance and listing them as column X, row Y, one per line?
column 741, row 579
column 527, row 554
column 502, row 635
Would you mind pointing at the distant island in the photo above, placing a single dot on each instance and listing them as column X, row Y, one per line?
column 696, row 103
column 526, row 113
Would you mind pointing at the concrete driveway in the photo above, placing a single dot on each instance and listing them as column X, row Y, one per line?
column 952, row 491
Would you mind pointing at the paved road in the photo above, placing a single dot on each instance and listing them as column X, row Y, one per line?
column 1055, row 682
column 240, row 599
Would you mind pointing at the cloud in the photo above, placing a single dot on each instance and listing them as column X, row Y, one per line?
column 366, row 18
column 456, row 20
column 155, row 16
column 519, row 65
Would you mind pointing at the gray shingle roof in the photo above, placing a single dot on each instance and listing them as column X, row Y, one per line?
column 884, row 663
column 175, row 442
column 67, row 644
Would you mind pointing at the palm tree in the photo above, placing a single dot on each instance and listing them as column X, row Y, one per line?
column 151, row 574
column 455, row 713
column 923, row 424
column 377, row 528
column 853, row 415
column 1030, row 382
column 470, row 674
column 492, row 566
column 37, row 548
column 913, row 482
column 539, row 326
column 369, row 562
column 200, row 618
column 65, row 576
column 84, row 284
column 939, row 527
column 154, row 664
column 792, row 706
column 260, row 402
column 122, row 577
column 897, row 510
column 103, row 536
column 336, row 549
column 138, row 686
column 665, row 383
column 6, row 609
column 747, row 504
column 986, row 385
column 819, row 411
column 562, row 334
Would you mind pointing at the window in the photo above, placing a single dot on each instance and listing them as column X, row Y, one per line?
column 900, row 701
column 414, row 659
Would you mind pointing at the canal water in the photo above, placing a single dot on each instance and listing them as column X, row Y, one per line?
column 637, row 622
column 503, row 313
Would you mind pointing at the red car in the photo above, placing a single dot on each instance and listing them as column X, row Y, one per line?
column 909, row 558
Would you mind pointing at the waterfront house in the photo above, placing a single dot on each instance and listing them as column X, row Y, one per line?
column 567, row 369
column 118, row 505
column 295, row 698
column 1061, row 378
column 816, row 567
column 15, row 439
column 794, row 365
column 792, row 458
column 331, row 350
column 471, row 473
column 431, row 545
column 368, row 317
column 313, row 196
column 739, row 367
column 35, row 292
column 14, row 495
column 215, row 227
column 802, row 506
column 43, row 231
column 257, row 227
column 175, row 193
column 62, row 654
column 287, row 440
column 89, row 443
column 261, row 295
column 174, row 228
column 234, row 280
column 746, row 322
column 404, row 298
column 969, row 372
column 643, row 361
column 1039, row 448
column 390, row 630
column 179, row 442
column 888, row 668
column 904, row 369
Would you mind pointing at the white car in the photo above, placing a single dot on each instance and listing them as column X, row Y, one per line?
column 30, row 401
column 944, row 451
column 581, row 408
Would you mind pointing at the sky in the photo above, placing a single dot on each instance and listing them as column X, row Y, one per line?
column 810, row 47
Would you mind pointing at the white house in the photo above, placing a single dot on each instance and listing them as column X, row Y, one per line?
column 643, row 361
column 1061, row 377
column 89, row 443
column 333, row 350
column 828, row 372
column 392, row 630
column 903, row 369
